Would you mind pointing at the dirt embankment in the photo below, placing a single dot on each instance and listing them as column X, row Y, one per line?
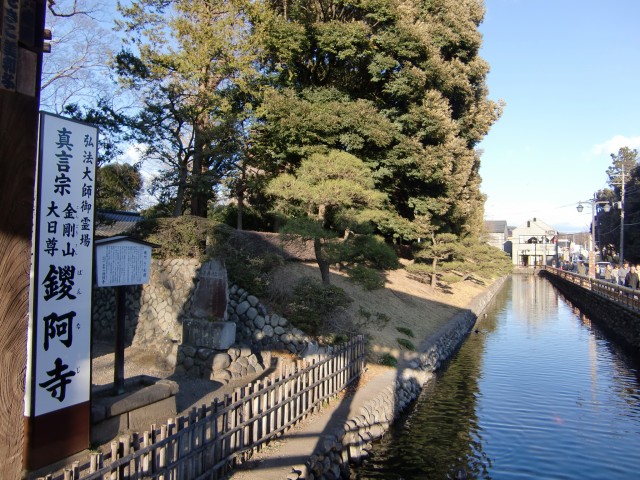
column 403, row 303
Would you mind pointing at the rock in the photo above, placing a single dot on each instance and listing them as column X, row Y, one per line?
column 251, row 313
column 268, row 331
column 188, row 351
column 221, row 375
column 242, row 308
column 253, row 300
column 220, row 361
column 204, row 353
column 259, row 322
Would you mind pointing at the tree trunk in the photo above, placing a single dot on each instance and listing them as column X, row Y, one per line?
column 433, row 274
column 240, row 190
column 323, row 263
column 182, row 188
column 198, row 190
column 240, row 198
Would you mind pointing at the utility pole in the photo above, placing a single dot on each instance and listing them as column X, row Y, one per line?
column 622, row 218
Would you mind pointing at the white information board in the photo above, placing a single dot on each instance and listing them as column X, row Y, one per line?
column 59, row 346
column 121, row 261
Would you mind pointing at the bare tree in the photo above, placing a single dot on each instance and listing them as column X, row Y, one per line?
column 77, row 68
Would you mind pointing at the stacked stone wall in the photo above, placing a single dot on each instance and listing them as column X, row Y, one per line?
column 222, row 366
column 154, row 312
column 255, row 326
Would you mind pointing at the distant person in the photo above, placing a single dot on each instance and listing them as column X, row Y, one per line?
column 614, row 273
column 582, row 269
column 622, row 273
column 631, row 279
column 607, row 273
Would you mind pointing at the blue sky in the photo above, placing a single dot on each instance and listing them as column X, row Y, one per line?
column 569, row 72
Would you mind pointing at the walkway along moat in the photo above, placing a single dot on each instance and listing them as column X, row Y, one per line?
column 538, row 392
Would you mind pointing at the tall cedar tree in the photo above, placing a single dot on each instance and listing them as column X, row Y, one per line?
column 397, row 83
column 186, row 58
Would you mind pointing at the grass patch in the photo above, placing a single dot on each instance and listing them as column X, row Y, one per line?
column 406, row 343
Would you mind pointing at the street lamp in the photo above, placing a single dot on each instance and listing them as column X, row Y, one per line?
column 592, row 253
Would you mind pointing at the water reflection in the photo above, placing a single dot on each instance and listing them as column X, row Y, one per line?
column 536, row 393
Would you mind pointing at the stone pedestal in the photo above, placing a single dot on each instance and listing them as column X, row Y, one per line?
column 146, row 400
column 214, row 335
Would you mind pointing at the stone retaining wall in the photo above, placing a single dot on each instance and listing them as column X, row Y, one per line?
column 350, row 443
column 222, row 366
column 255, row 326
column 619, row 322
column 155, row 311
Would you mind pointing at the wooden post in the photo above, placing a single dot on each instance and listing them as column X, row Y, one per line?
column 118, row 366
column 21, row 38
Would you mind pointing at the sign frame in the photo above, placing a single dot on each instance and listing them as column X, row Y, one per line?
column 58, row 380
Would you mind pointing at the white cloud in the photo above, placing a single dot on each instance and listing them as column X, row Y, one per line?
column 614, row 144
column 132, row 153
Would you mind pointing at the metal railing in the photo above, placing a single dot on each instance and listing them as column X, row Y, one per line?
column 627, row 297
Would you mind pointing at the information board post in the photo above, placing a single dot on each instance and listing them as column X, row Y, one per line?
column 122, row 261
column 118, row 368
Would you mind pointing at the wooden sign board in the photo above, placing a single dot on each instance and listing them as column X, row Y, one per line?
column 59, row 338
column 122, row 261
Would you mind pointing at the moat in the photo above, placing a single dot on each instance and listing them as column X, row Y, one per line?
column 536, row 392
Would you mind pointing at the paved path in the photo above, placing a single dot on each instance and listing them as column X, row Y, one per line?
column 286, row 456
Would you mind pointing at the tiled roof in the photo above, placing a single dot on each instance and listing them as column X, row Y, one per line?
column 114, row 222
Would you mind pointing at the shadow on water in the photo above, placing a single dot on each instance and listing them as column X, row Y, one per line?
column 451, row 431
column 451, row 448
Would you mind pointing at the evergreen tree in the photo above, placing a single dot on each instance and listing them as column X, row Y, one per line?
column 623, row 168
column 329, row 194
column 398, row 84
column 187, row 56
column 118, row 186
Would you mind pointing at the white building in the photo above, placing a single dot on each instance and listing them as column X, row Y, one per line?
column 533, row 244
column 497, row 234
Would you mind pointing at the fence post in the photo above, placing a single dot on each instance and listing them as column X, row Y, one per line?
column 114, row 456
column 162, row 452
column 147, row 456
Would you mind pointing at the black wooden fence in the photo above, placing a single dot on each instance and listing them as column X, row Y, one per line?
column 206, row 443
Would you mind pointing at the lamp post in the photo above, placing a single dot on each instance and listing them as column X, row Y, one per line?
column 592, row 253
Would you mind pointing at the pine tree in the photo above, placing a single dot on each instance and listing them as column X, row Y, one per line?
column 185, row 58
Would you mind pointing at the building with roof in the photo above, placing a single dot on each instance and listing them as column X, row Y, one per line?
column 110, row 223
column 497, row 234
column 534, row 244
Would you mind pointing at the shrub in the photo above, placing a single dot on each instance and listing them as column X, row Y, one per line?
column 370, row 250
column 368, row 278
column 184, row 236
column 406, row 343
column 388, row 360
column 407, row 331
column 313, row 302
column 247, row 267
